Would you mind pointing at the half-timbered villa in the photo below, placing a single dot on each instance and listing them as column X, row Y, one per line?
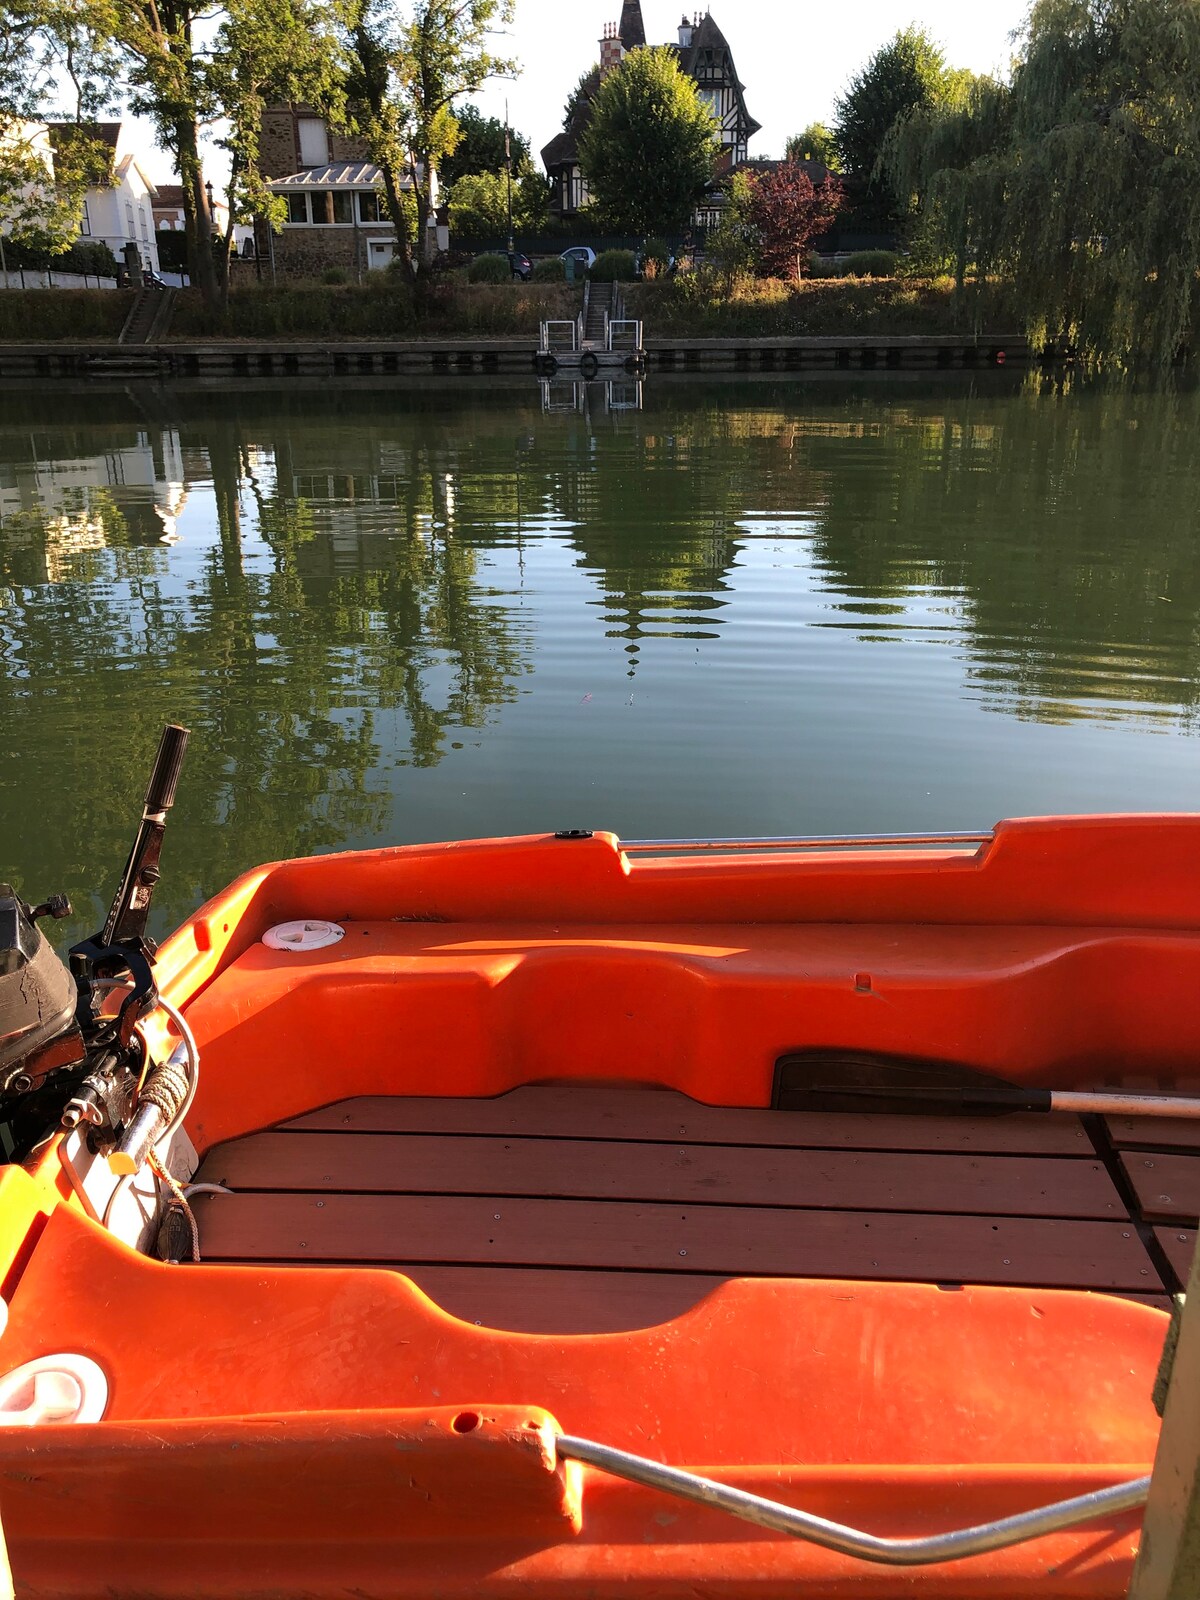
column 705, row 56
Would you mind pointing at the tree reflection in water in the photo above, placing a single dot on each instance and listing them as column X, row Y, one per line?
column 328, row 585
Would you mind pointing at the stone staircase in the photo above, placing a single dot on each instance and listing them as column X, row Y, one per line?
column 149, row 315
column 602, row 304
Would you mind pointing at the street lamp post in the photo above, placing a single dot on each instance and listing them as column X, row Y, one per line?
column 508, row 171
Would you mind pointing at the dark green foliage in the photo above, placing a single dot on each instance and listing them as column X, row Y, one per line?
column 1079, row 179
column 88, row 255
column 489, row 269
column 480, row 146
column 613, row 266
column 649, row 145
column 814, row 143
column 335, row 275
column 907, row 73
column 656, row 257
column 869, row 264
column 551, row 270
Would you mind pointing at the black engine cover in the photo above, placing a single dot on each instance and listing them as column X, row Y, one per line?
column 37, row 995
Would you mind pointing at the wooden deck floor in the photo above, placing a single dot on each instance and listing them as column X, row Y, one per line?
column 577, row 1208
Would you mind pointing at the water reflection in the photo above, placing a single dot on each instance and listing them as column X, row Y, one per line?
column 796, row 588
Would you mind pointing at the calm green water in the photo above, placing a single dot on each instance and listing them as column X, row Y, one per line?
column 397, row 614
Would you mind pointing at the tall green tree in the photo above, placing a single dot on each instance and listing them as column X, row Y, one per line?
column 408, row 70
column 650, row 144
column 479, row 202
column 908, row 72
column 481, row 146
column 42, row 184
column 814, row 143
column 1079, row 179
column 186, row 65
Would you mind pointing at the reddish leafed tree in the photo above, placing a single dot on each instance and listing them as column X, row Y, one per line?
column 787, row 211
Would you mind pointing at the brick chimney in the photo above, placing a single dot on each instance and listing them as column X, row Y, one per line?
column 612, row 51
column 685, row 33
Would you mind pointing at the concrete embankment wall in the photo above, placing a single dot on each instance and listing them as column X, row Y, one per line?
column 448, row 356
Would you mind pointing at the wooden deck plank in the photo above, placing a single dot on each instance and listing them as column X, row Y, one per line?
column 533, row 1300
column 1179, row 1245
column 1167, row 1185
column 999, row 1185
column 1154, row 1133
column 627, row 1112
column 710, row 1239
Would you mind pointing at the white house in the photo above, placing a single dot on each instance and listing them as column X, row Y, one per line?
column 121, row 212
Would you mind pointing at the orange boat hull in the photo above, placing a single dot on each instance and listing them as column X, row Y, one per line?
column 276, row 1427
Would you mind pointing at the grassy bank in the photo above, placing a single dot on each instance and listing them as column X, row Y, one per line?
column 702, row 307
column 31, row 315
column 696, row 306
column 380, row 310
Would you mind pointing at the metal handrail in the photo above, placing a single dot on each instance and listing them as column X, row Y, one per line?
column 547, row 343
column 812, row 841
column 954, row 1545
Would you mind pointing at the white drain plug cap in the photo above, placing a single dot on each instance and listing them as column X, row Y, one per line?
column 58, row 1388
column 310, row 933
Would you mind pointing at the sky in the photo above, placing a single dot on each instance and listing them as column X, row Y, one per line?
column 793, row 59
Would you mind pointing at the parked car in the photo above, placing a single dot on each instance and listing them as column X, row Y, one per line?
column 581, row 255
column 521, row 265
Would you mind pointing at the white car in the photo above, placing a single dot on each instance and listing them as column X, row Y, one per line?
column 582, row 255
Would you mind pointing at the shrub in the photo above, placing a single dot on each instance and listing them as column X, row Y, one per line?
column 869, row 264
column 821, row 266
column 613, row 266
column 489, row 269
column 335, row 275
column 552, row 270
column 87, row 255
column 656, row 258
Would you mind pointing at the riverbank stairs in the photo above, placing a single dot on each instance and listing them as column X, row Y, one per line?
column 149, row 315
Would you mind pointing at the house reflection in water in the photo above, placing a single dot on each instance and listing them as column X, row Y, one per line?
column 129, row 490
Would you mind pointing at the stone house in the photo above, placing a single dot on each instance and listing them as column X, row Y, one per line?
column 336, row 215
column 704, row 55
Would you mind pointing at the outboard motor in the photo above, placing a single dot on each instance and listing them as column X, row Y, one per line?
column 61, row 1060
column 37, row 997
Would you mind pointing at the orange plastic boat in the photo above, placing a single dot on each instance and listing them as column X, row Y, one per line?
column 520, row 1169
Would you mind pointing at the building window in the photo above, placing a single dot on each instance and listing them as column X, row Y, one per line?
column 342, row 207
column 369, row 208
column 130, row 232
column 85, row 222
column 314, row 142
column 142, row 221
column 297, row 205
column 322, row 210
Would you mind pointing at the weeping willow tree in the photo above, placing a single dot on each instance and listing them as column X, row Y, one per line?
column 1078, row 180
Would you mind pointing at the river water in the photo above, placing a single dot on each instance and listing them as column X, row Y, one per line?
column 392, row 614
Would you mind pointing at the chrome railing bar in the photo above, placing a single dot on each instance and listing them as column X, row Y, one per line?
column 954, row 1545
column 812, row 841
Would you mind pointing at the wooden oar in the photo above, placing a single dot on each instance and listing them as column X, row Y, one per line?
column 990, row 1101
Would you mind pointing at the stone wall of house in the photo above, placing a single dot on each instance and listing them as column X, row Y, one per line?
column 308, row 252
column 279, row 146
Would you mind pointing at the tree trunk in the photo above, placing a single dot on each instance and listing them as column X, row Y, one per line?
column 395, row 206
column 426, row 201
column 202, row 267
